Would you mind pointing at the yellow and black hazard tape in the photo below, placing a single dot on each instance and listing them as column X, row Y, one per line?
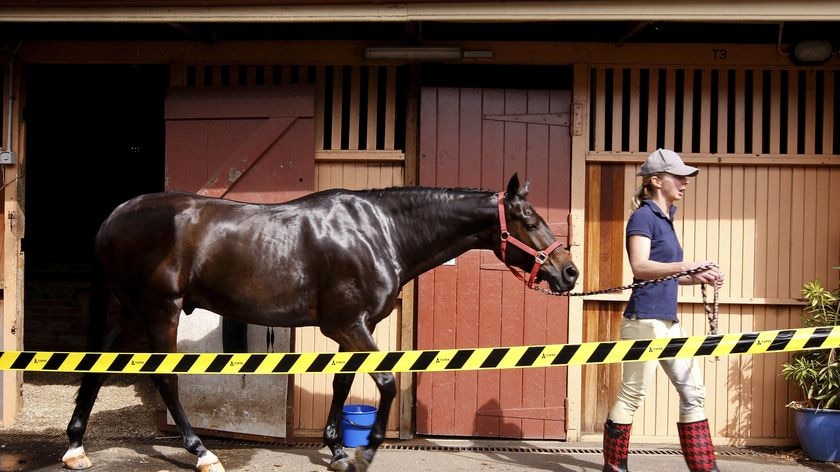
column 445, row 360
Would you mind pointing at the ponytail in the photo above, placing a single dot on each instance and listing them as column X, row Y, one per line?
column 644, row 192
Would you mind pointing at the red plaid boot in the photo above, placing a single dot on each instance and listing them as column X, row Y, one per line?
column 616, row 446
column 697, row 447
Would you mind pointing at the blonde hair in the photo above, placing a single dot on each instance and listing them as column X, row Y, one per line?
column 644, row 192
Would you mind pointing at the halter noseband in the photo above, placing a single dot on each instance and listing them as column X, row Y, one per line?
column 539, row 256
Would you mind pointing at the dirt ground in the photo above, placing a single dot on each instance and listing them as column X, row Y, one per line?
column 124, row 436
column 126, row 406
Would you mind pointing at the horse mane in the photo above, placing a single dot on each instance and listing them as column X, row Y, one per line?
column 426, row 189
column 412, row 198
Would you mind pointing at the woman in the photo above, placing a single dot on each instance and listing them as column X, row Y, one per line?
column 654, row 252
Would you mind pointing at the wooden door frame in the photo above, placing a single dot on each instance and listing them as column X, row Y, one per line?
column 580, row 137
column 11, row 316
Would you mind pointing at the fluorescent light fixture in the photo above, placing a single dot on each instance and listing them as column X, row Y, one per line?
column 414, row 53
column 478, row 54
column 812, row 51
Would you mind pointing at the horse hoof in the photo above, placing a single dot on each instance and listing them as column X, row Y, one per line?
column 361, row 462
column 217, row 467
column 78, row 463
column 76, row 460
column 209, row 463
column 345, row 464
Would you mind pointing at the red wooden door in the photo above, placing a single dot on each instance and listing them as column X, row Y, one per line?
column 478, row 138
column 253, row 144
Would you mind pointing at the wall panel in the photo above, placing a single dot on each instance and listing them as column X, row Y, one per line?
column 766, row 144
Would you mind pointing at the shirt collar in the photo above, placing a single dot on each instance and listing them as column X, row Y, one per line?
column 672, row 211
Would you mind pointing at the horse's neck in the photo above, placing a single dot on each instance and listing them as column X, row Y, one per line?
column 443, row 226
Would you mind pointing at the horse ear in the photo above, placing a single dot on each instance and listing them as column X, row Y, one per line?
column 523, row 192
column 513, row 185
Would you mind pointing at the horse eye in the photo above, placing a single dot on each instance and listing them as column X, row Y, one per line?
column 530, row 226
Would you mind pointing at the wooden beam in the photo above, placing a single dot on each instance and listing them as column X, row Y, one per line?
column 624, row 296
column 348, row 156
column 696, row 56
column 725, row 159
column 279, row 12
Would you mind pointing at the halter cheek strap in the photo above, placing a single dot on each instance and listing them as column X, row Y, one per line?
column 539, row 256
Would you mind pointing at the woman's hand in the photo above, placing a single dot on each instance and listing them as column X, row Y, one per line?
column 710, row 276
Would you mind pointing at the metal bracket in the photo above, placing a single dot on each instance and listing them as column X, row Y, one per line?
column 7, row 157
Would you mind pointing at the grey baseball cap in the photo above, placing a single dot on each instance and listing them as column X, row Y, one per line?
column 665, row 160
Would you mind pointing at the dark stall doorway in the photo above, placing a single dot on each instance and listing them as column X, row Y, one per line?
column 95, row 138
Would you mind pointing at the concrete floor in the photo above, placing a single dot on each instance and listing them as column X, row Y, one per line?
column 37, row 452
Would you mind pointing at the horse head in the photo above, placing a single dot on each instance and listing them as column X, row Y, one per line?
column 529, row 244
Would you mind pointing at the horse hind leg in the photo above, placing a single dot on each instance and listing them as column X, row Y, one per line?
column 75, row 458
column 387, row 391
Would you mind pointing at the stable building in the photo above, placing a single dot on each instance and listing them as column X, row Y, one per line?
column 106, row 100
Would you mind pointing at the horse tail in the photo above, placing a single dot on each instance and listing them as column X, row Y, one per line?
column 98, row 308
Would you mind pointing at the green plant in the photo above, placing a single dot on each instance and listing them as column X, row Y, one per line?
column 817, row 373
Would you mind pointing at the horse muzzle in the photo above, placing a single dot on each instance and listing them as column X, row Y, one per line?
column 560, row 279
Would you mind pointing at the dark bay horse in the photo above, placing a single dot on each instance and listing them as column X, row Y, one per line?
column 335, row 259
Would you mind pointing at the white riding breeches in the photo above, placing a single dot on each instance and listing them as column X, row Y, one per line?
column 637, row 376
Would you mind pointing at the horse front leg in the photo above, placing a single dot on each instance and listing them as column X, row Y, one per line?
column 354, row 340
column 164, row 338
column 168, row 387
column 332, row 432
column 387, row 392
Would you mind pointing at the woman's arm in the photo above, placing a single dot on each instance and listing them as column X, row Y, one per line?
column 638, row 251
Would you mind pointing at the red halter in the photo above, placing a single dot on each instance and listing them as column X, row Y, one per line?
column 539, row 256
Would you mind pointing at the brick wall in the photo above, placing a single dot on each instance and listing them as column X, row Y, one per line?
column 56, row 305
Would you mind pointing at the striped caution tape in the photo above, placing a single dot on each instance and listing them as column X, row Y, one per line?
column 443, row 360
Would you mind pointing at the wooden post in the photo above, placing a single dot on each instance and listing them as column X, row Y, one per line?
column 580, row 142
column 11, row 321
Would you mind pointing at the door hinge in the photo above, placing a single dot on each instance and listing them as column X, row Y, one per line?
column 577, row 119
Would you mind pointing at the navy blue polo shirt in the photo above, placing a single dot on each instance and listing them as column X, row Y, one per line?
column 657, row 300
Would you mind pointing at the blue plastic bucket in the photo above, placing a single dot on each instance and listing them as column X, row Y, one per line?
column 356, row 422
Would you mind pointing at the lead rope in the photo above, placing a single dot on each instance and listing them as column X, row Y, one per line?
column 711, row 313
column 711, row 310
